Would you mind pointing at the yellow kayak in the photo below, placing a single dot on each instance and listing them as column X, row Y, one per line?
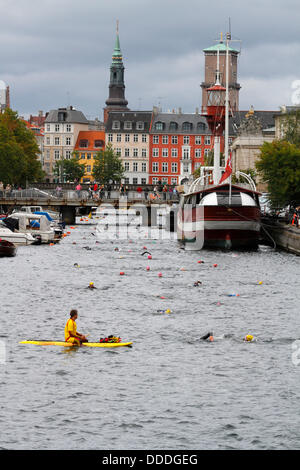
column 63, row 343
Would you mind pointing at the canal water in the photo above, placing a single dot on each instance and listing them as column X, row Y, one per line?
column 170, row 390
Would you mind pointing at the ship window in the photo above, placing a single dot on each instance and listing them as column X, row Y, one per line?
column 223, row 199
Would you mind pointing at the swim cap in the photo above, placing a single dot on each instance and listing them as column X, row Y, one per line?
column 249, row 338
column 91, row 283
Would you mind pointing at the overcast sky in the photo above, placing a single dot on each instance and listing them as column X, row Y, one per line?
column 58, row 52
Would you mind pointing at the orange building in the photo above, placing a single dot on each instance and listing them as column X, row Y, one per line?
column 88, row 144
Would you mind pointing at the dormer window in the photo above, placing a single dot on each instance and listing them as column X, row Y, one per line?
column 201, row 126
column 140, row 126
column 127, row 125
column 83, row 143
column 187, row 126
column 98, row 143
column 159, row 126
column 116, row 125
column 173, row 126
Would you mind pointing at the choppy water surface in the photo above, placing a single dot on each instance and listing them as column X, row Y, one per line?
column 170, row 391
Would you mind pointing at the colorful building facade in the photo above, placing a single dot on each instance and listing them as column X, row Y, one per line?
column 88, row 144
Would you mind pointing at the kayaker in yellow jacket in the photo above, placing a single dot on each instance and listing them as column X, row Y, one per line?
column 71, row 333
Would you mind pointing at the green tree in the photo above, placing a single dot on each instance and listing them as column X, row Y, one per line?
column 69, row 169
column 279, row 166
column 19, row 151
column 108, row 166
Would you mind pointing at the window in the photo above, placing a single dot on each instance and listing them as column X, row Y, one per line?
column 174, row 152
column 118, row 151
column 68, row 154
column 144, row 137
column 173, row 180
column 56, row 140
column 186, row 140
column 164, row 180
column 116, row 125
column 127, row 153
column 187, row 126
column 68, row 140
column 154, row 180
column 186, row 168
column 126, row 180
column 135, row 137
column 134, row 181
column 135, row 152
column 155, row 139
column 198, row 140
column 88, row 168
column 127, row 166
column 82, row 156
column 144, row 167
column 165, row 152
column 201, row 126
column 118, row 138
column 68, row 128
column 88, row 156
column 56, row 154
column 173, row 126
column 197, row 165
column 164, row 167
column 57, row 127
column 127, row 137
column 48, row 140
column 48, row 154
column 207, row 140
column 174, row 139
column 186, row 153
column 83, row 143
column 144, row 152
column 135, row 166
column 174, row 167
column 159, row 126
column 165, row 139
column 140, row 126
column 155, row 152
column 206, row 152
column 48, row 128
column 198, row 153
column 62, row 116
column 143, row 180
column 110, row 137
column 98, row 143
column 155, row 167
column 128, row 125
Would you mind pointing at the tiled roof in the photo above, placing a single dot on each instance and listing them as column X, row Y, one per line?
column 70, row 115
column 90, row 136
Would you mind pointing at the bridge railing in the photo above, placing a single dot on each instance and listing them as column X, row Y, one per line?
column 65, row 196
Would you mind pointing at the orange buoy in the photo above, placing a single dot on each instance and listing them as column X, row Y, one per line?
column 149, row 257
column 148, row 268
column 122, row 273
column 159, row 274
column 215, row 265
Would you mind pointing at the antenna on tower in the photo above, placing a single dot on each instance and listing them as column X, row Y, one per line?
column 117, row 26
column 229, row 29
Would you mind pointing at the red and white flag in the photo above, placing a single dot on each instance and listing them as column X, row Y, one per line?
column 228, row 170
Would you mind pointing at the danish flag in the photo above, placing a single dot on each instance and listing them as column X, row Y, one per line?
column 228, row 170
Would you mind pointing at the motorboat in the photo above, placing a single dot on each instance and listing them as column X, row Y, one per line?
column 9, row 233
column 7, row 248
column 37, row 225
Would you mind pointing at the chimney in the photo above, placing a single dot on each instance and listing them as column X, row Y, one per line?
column 179, row 111
column 197, row 110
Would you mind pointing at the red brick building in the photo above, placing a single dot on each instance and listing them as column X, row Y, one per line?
column 178, row 144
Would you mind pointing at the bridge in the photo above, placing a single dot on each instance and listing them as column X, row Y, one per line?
column 70, row 203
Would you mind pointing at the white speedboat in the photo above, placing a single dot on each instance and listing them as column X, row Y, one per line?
column 37, row 225
column 15, row 237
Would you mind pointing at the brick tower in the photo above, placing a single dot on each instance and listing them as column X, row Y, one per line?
column 210, row 55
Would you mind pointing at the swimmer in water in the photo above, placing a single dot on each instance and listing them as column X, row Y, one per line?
column 91, row 286
column 209, row 337
column 249, row 338
column 197, row 283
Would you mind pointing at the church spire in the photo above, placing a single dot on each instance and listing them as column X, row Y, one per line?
column 116, row 100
